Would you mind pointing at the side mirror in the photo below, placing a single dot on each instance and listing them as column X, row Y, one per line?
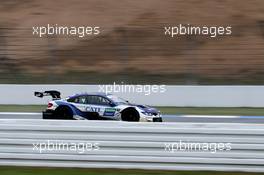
column 112, row 104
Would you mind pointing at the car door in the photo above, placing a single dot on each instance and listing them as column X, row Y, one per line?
column 100, row 105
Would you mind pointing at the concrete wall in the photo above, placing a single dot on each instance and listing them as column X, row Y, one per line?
column 198, row 96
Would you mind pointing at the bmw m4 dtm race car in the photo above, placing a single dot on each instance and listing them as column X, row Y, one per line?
column 96, row 106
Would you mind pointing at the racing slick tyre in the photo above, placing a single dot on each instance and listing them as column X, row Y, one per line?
column 63, row 113
column 130, row 115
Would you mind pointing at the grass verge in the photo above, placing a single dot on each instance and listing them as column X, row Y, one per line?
column 164, row 110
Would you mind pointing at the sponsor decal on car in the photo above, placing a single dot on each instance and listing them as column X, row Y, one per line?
column 92, row 109
column 109, row 112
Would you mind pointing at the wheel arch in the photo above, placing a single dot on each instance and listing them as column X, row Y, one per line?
column 128, row 108
column 75, row 111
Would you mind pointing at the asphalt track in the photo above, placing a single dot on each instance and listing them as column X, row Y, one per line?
column 166, row 118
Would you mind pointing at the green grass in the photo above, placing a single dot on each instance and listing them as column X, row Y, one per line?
column 164, row 110
column 76, row 171
column 22, row 108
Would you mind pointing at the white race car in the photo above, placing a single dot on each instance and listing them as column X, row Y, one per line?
column 97, row 106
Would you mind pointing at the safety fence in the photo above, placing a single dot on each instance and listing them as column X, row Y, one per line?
column 108, row 144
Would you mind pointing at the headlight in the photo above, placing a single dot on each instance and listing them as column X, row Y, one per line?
column 147, row 113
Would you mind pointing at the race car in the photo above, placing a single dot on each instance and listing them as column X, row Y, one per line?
column 96, row 106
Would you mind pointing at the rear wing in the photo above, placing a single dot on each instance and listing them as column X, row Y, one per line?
column 56, row 95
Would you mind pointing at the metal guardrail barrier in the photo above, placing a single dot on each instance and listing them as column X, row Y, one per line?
column 108, row 144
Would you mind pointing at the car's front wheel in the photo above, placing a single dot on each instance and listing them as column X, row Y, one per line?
column 130, row 115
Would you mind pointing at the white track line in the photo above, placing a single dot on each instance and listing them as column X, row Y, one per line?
column 210, row 116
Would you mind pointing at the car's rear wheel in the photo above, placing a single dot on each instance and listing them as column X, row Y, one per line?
column 130, row 115
column 63, row 113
